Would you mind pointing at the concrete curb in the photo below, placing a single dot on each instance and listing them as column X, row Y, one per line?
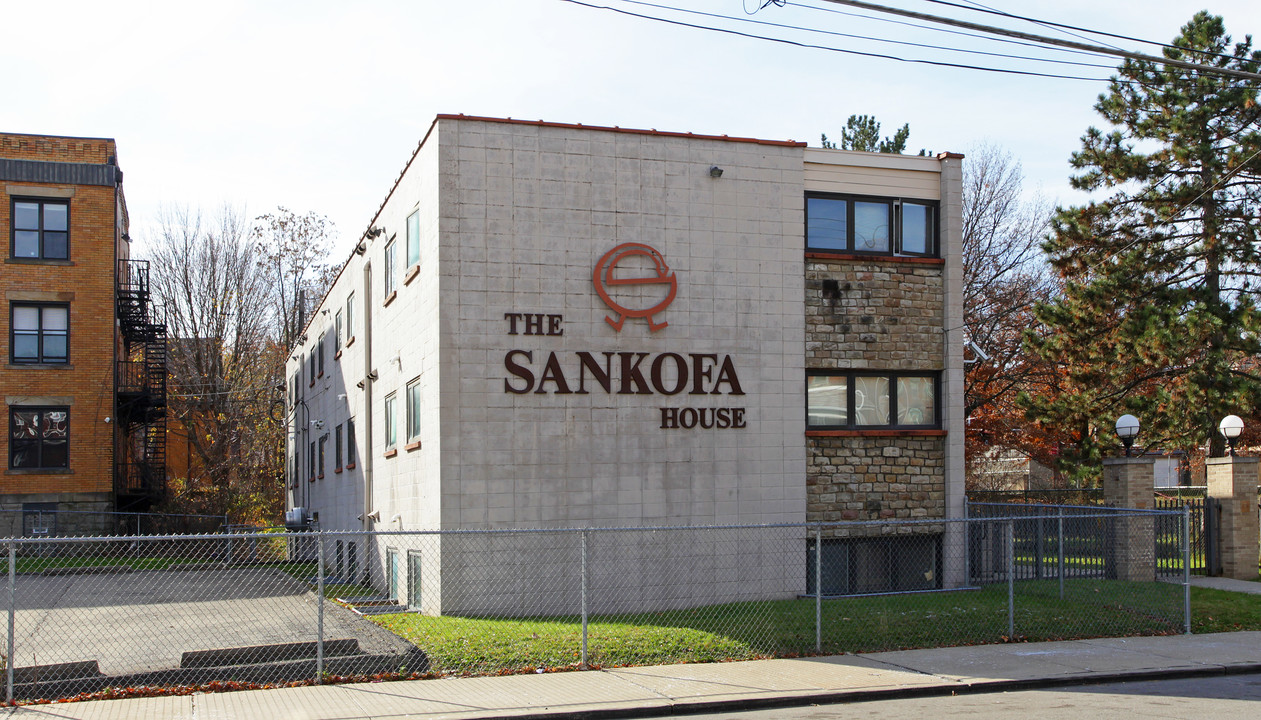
column 843, row 697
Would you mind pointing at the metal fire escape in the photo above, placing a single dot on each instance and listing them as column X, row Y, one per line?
column 140, row 382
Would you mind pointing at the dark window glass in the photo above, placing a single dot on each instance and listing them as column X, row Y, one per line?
column 827, row 223
column 41, row 229
column 917, row 229
column 337, row 447
column 39, row 437
column 350, row 442
column 871, row 225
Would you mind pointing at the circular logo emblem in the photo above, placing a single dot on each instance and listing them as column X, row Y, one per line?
column 630, row 295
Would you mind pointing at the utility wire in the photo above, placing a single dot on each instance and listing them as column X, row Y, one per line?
column 1052, row 41
column 937, row 63
column 864, row 37
column 934, row 28
column 1047, row 23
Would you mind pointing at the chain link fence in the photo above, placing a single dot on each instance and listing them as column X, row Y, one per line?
column 85, row 614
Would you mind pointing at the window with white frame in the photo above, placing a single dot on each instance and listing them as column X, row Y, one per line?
column 413, row 239
column 391, row 424
column 391, row 267
column 413, row 410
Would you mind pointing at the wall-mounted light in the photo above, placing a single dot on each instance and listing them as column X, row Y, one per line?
column 361, row 248
column 715, row 171
column 374, row 232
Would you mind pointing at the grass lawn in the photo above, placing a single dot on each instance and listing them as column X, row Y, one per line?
column 738, row 631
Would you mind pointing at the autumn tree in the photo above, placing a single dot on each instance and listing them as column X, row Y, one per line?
column 222, row 364
column 236, row 295
column 1157, row 313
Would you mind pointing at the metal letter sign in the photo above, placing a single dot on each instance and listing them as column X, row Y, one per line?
column 606, row 282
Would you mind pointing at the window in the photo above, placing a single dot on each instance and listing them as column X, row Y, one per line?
column 413, row 410
column 337, row 449
column 337, row 332
column 39, row 333
column 390, row 267
column 41, row 229
column 413, row 239
column 391, row 427
column 320, row 351
column 350, row 316
column 310, row 463
column 311, row 367
column 856, row 224
column 840, row 399
column 39, row 437
column 350, row 443
column 320, row 467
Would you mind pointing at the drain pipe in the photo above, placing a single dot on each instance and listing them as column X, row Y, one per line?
column 369, row 376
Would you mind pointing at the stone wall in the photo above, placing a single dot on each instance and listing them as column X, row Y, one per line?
column 874, row 313
column 866, row 313
column 854, row 479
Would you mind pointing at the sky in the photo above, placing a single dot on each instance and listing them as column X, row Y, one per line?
column 316, row 106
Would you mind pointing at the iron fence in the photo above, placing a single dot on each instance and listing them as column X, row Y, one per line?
column 86, row 614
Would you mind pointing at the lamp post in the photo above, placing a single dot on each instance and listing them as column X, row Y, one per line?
column 1127, row 430
column 1231, row 428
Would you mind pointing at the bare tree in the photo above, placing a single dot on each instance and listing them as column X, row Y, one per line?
column 293, row 254
column 224, row 362
column 1004, row 274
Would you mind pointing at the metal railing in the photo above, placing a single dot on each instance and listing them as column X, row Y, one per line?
column 248, row 609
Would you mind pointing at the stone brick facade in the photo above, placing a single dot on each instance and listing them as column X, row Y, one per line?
column 874, row 314
column 881, row 478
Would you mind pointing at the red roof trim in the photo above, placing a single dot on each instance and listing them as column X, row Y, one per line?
column 629, row 131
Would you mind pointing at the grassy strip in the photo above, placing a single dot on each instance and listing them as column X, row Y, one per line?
column 737, row 631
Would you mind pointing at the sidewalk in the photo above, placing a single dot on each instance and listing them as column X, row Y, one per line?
column 665, row 690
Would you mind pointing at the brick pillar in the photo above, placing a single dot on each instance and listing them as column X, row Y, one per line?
column 1233, row 480
column 1129, row 482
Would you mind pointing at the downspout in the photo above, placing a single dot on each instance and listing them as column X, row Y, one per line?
column 366, row 452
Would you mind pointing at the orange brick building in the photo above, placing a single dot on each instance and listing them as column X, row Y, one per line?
column 83, row 379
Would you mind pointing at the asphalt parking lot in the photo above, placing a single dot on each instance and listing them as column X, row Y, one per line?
column 145, row 620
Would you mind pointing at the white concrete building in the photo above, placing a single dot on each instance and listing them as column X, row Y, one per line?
column 566, row 326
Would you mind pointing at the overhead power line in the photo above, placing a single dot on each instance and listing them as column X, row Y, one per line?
column 1101, row 49
column 833, row 33
column 883, row 56
column 1047, row 23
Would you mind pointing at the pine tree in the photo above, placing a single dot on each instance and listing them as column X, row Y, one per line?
column 862, row 133
column 1157, row 316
